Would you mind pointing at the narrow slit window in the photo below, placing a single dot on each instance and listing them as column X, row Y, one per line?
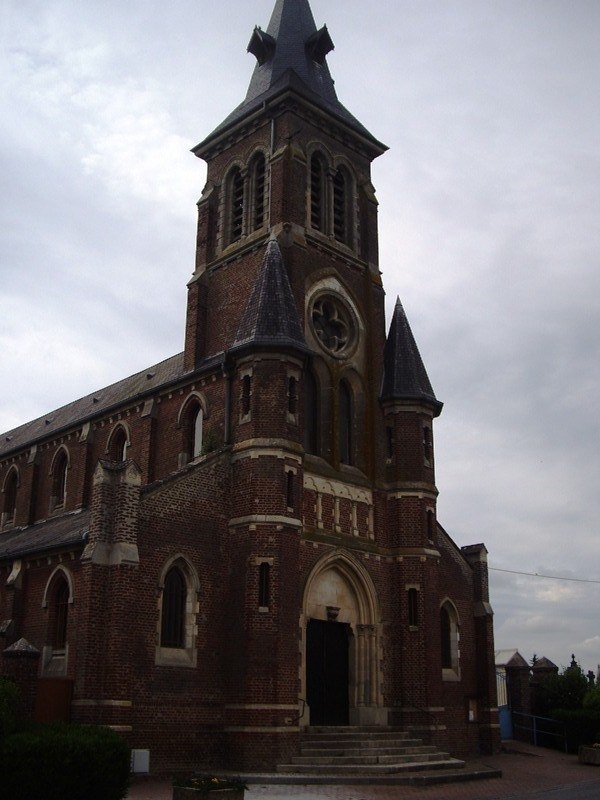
column 389, row 438
column 264, row 585
column 413, row 607
column 427, row 444
column 345, row 424
column 292, row 395
column 311, row 414
column 289, row 489
column 246, row 395
column 430, row 525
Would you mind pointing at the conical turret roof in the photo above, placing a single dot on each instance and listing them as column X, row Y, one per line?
column 404, row 375
column 271, row 318
column 291, row 54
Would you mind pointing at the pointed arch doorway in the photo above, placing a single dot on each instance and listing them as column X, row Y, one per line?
column 340, row 673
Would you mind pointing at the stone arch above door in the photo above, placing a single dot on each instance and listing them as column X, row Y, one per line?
column 338, row 580
column 339, row 589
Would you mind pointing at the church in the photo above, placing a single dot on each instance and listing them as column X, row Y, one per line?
column 240, row 543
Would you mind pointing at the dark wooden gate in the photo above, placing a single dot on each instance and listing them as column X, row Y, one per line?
column 327, row 645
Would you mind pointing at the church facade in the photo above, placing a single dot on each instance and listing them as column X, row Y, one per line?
column 242, row 540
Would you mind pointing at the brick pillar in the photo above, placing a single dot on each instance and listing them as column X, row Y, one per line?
column 519, row 687
column 489, row 726
column 103, row 688
column 20, row 664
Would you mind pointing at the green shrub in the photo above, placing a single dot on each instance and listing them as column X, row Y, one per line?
column 581, row 726
column 9, row 707
column 592, row 699
column 566, row 690
column 64, row 762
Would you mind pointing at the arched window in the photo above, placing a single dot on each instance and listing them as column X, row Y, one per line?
column 341, row 206
column 117, row 450
column 60, row 611
column 178, row 609
column 10, row 495
column 449, row 641
column 59, row 479
column 345, row 424
column 191, row 422
column 173, row 609
column 257, row 183
column 196, row 437
column 318, row 193
column 311, row 414
column 235, row 205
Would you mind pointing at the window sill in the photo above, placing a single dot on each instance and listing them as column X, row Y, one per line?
column 175, row 657
column 450, row 675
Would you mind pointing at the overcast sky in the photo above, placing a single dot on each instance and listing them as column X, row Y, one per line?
column 489, row 232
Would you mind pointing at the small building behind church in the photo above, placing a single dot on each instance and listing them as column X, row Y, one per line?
column 240, row 542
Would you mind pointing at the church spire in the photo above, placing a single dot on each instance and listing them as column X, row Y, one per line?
column 404, row 376
column 291, row 41
column 291, row 55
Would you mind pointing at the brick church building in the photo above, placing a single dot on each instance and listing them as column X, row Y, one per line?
column 242, row 540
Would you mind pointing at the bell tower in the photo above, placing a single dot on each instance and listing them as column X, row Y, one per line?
column 287, row 296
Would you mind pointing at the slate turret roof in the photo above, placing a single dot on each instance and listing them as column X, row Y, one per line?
column 404, row 374
column 291, row 54
column 271, row 317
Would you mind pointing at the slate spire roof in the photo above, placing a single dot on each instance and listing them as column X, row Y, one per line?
column 404, row 375
column 271, row 318
column 291, row 54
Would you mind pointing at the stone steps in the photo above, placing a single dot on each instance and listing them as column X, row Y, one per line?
column 365, row 751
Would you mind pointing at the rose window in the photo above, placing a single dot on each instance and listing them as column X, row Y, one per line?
column 333, row 324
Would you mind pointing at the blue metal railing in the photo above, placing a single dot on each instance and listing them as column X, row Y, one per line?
column 539, row 731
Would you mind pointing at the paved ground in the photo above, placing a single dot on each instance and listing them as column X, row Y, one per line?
column 526, row 771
